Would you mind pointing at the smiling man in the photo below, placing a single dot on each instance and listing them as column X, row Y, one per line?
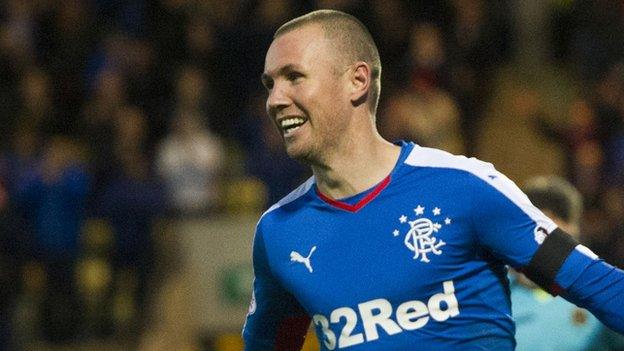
column 392, row 246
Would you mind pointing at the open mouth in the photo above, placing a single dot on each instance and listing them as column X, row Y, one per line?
column 290, row 124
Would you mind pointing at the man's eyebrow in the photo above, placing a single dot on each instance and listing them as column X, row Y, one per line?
column 280, row 72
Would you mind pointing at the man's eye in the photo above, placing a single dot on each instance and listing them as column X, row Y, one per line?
column 292, row 76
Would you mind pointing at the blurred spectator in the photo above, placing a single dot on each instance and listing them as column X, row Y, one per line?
column 423, row 111
column 108, row 94
column 608, row 101
column 98, row 127
column 65, row 39
column 17, row 32
column 29, row 104
column 111, row 54
column 426, row 115
column 268, row 16
column 235, row 64
column 426, row 57
column 189, row 160
column 561, row 26
column 584, row 155
column 35, row 97
column 192, row 92
column 598, row 34
column 21, row 157
column 131, row 201
column 610, row 115
column 167, row 33
column 134, row 61
column 53, row 198
column 607, row 228
column 479, row 42
column 128, row 16
column 390, row 25
column 200, row 41
column 13, row 254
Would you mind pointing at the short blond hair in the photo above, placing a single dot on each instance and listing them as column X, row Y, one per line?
column 351, row 39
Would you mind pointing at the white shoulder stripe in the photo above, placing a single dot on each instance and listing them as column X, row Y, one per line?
column 294, row 195
column 428, row 157
column 586, row 251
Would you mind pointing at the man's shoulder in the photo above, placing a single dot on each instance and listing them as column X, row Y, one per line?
column 442, row 160
column 288, row 200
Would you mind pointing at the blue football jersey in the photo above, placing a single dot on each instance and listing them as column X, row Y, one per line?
column 418, row 262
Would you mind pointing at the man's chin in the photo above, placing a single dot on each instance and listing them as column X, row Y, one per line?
column 298, row 152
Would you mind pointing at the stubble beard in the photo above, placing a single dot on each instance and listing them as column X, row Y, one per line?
column 322, row 143
column 306, row 154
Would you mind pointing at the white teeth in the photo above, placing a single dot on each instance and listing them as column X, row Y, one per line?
column 285, row 123
column 291, row 130
column 291, row 124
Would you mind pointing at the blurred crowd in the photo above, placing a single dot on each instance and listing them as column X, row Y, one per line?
column 118, row 114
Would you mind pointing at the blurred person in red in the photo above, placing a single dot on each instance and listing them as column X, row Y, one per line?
column 423, row 111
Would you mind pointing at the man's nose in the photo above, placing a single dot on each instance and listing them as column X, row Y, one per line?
column 278, row 99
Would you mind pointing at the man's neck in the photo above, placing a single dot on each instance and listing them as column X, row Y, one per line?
column 356, row 167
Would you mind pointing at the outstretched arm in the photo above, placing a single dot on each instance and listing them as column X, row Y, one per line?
column 522, row 236
column 590, row 282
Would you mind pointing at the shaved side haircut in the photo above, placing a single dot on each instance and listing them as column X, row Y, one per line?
column 351, row 40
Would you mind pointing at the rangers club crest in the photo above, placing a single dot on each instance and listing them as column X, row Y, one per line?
column 420, row 237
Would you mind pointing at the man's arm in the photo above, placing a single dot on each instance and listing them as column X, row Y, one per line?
column 564, row 267
column 590, row 282
column 523, row 237
column 276, row 321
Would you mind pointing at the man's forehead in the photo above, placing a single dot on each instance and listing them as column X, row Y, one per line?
column 294, row 46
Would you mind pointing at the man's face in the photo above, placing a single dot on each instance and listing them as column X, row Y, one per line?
column 307, row 91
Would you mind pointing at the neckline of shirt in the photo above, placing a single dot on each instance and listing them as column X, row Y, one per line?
column 356, row 202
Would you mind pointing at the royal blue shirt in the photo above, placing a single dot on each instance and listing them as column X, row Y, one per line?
column 417, row 262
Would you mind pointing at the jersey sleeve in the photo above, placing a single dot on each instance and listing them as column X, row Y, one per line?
column 505, row 221
column 275, row 321
column 590, row 282
column 511, row 228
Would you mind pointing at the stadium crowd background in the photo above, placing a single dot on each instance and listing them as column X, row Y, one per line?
column 119, row 118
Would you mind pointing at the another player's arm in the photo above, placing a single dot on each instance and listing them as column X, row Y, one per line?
column 275, row 320
column 513, row 229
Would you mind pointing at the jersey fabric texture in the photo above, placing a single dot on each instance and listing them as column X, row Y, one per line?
column 417, row 262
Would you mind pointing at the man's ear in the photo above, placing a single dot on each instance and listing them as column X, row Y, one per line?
column 360, row 82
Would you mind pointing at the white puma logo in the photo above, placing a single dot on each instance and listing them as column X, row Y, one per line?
column 296, row 257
